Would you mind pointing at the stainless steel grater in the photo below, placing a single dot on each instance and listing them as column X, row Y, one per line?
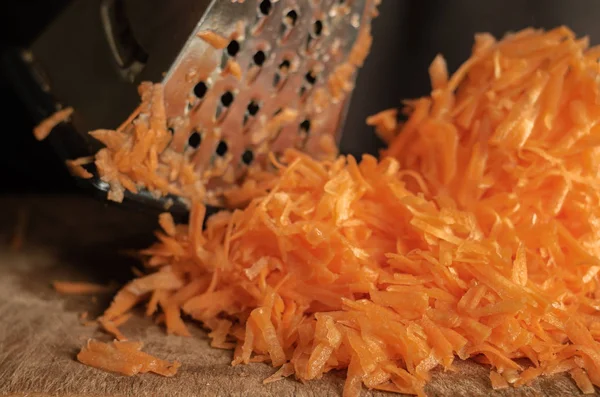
column 242, row 78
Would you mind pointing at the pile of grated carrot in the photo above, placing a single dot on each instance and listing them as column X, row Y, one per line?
column 477, row 235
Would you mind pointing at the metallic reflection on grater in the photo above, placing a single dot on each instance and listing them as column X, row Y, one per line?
column 241, row 78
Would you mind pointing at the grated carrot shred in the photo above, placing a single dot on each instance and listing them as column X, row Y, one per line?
column 167, row 223
column 80, row 288
column 233, row 68
column 124, row 357
column 498, row 382
column 474, row 236
column 76, row 167
column 215, row 40
column 385, row 124
column 582, row 381
column 42, row 130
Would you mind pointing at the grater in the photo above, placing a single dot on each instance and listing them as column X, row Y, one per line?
column 242, row 78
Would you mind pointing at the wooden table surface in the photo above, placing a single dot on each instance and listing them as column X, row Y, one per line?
column 79, row 239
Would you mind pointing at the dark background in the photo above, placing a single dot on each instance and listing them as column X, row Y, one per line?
column 408, row 34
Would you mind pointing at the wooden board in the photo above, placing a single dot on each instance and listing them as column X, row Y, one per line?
column 75, row 238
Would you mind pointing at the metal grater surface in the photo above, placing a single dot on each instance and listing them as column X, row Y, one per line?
column 262, row 76
column 241, row 78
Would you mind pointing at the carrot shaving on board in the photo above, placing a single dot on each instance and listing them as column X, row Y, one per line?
column 80, row 288
column 474, row 236
column 125, row 357
column 498, row 382
column 582, row 380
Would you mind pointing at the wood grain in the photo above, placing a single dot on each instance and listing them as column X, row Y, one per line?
column 75, row 238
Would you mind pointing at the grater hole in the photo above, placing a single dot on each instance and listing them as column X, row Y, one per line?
column 195, row 140
column 291, row 18
column 283, row 69
column 305, row 126
column 253, row 108
column 222, row 148
column 284, row 66
column 265, row 7
column 171, row 130
column 233, row 48
column 227, row 99
column 248, row 157
column 200, row 89
column 318, row 28
column 259, row 58
column 311, row 77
